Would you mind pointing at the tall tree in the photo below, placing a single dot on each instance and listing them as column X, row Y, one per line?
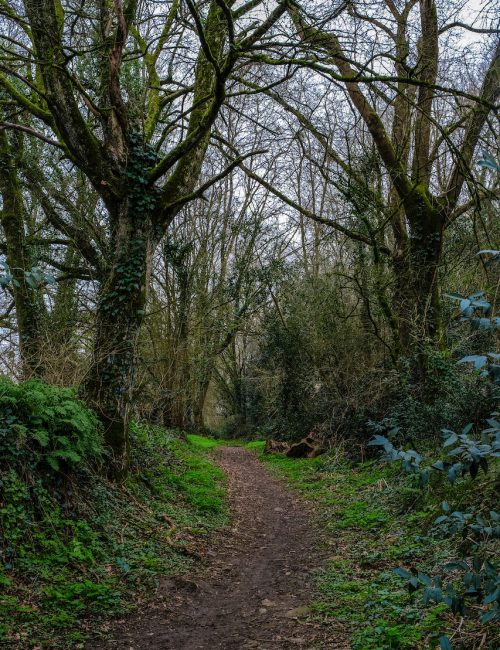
column 29, row 306
column 142, row 159
column 387, row 61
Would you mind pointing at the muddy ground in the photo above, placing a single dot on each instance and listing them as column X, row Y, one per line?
column 257, row 586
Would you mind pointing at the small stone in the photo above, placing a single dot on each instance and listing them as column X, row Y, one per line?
column 268, row 603
column 262, row 610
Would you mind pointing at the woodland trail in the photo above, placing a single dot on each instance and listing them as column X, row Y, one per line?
column 260, row 572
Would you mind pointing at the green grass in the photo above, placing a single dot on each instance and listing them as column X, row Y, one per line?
column 256, row 445
column 202, row 442
column 79, row 552
column 373, row 520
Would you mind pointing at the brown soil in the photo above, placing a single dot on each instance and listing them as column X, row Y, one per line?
column 258, row 583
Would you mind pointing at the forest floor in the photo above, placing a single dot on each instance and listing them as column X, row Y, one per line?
column 258, row 586
column 216, row 544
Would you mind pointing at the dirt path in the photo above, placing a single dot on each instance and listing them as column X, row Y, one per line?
column 260, row 573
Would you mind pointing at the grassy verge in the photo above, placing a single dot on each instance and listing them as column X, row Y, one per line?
column 374, row 520
column 84, row 550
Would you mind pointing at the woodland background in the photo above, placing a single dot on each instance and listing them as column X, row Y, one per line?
column 250, row 219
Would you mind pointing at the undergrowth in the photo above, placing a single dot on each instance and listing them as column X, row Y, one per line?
column 75, row 549
column 375, row 519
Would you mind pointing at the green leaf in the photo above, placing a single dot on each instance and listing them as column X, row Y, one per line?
column 30, row 280
column 456, row 566
column 53, row 462
column 478, row 360
column 454, row 471
column 454, row 296
column 424, row 579
column 490, row 598
column 488, row 162
column 451, row 440
column 490, row 615
column 445, row 643
column 413, row 584
column 41, row 436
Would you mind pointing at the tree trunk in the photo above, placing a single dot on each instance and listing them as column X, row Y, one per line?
column 417, row 297
column 62, row 322
column 176, row 401
column 199, row 403
column 27, row 300
column 175, row 412
column 108, row 388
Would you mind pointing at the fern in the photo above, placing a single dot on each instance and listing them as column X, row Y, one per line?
column 45, row 426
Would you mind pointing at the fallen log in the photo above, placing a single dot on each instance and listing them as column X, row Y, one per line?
column 308, row 447
column 276, row 447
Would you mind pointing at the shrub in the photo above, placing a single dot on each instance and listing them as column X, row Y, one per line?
column 45, row 428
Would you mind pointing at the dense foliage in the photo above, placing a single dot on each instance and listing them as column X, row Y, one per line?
column 463, row 454
column 45, row 429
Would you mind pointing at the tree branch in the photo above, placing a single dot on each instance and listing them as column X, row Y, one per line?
column 352, row 234
column 30, row 131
